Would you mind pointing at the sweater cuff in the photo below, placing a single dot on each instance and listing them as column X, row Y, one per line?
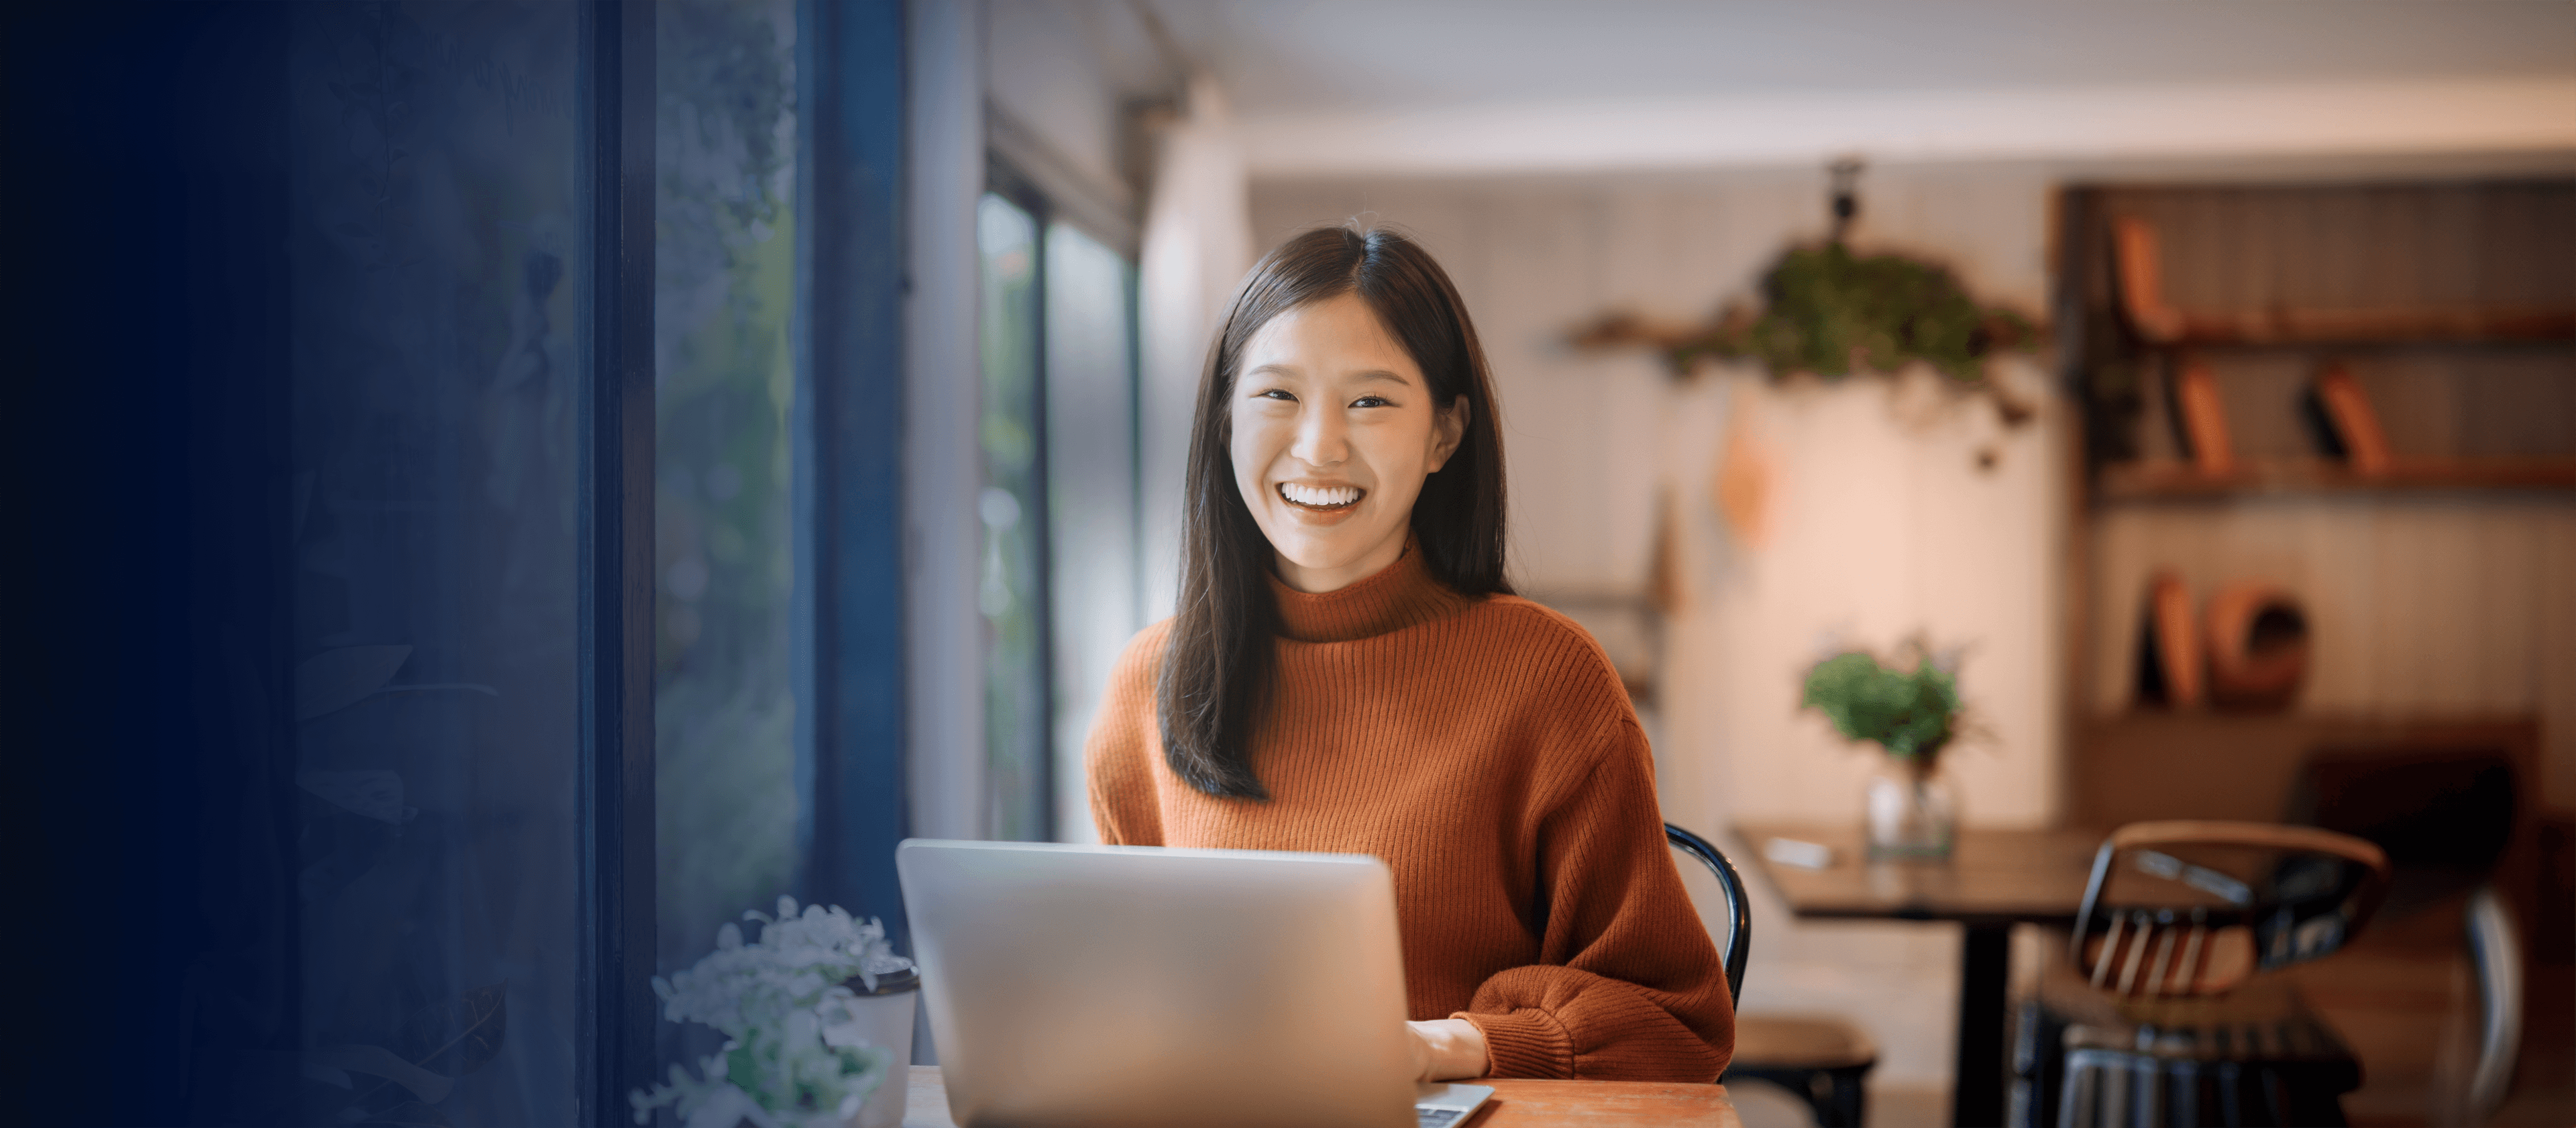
column 1524, row 1043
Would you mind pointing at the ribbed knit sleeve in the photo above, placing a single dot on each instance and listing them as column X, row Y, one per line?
column 1628, row 985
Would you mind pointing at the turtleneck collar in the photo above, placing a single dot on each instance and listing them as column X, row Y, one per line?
column 1400, row 595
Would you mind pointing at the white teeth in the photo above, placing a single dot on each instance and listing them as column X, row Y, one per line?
column 1319, row 496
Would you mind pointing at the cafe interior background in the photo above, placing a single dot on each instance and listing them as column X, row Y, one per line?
column 1571, row 163
column 903, row 517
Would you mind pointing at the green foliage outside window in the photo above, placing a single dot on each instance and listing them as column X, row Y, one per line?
column 725, row 219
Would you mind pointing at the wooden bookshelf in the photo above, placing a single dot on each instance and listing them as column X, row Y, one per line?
column 2366, row 342
column 2138, row 264
column 2350, row 329
column 2175, row 480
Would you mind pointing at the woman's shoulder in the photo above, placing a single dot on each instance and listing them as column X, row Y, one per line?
column 1141, row 659
column 1124, row 732
column 1563, row 698
column 1539, row 616
column 1532, row 635
column 1534, row 624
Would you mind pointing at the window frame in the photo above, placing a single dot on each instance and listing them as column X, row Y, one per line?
column 614, row 994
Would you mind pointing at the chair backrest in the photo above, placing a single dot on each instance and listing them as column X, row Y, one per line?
column 1733, row 947
column 2196, row 908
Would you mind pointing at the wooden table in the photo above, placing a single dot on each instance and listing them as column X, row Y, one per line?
column 1994, row 880
column 1515, row 1104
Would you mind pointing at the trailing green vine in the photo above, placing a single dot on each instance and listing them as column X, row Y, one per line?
column 1830, row 312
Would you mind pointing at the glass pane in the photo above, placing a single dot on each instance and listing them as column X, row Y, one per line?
column 1091, row 493
column 436, row 380
column 726, row 803
column 1012, row 507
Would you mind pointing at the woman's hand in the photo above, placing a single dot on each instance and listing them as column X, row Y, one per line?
column 1447, row 1049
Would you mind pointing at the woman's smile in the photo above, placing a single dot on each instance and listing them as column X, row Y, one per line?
column 1327, row 504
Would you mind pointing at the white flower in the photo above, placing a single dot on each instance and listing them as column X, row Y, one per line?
column 798, row 1050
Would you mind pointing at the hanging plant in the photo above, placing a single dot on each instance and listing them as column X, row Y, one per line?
column 1831, row 312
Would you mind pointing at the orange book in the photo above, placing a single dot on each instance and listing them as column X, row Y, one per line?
column 2204, row 421
column 2169, row 657
column 2348, row 411
column 2142, row 287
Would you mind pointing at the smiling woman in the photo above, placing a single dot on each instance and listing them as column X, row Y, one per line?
column 1335, row 430
column 1349, row 673
column 1347, row 304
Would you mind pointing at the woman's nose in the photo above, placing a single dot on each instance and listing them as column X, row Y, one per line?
column 1320, row 438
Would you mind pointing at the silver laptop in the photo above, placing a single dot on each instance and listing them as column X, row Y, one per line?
column 1141, row 987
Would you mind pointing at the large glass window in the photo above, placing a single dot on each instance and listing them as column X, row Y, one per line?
column 727, row 804
column 1091, row 493
column 436, row 250
column 1010, row 589
column 1059, row 586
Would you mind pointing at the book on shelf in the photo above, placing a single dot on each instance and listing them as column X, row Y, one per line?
column 2350, row 427
column 2169, row 657
column 2141, row 279
column 2201, row 419
column 2137, row 266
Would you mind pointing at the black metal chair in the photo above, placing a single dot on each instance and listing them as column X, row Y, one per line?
column 1822, row 1059
column 1739, row 928
column 2158, row 1011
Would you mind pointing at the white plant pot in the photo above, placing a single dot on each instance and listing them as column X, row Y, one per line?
column 888, row 1018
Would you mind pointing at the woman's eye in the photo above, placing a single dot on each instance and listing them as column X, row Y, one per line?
column 1372, row 401
column 1274, row 393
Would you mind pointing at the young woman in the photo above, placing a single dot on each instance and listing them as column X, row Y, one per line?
column 1349, row 672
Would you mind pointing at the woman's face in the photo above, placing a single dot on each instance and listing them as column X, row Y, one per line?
column 1334, row 431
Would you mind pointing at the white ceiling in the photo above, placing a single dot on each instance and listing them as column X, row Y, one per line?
column 1445, row 86
column 1280, row 57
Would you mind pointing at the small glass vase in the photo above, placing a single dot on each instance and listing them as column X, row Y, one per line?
column 1910, row 813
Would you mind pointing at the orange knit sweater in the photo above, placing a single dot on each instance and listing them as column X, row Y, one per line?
column 1485, row 750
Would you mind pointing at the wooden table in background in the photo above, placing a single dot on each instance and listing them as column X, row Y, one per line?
column 1515, row 1104
column 1994, row 880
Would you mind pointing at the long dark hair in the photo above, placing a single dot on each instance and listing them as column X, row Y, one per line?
column 1217, row 668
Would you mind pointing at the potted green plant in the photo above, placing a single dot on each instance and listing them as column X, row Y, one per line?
column 816, row 1013
column 1910, row 710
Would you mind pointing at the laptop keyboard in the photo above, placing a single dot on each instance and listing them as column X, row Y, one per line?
column 1435, row 1117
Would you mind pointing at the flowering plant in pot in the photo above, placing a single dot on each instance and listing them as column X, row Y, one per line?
column 1912, row 711
column 801, row 1048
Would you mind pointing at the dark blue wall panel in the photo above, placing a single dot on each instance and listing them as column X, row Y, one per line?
column 851, row 358
column 141, row 450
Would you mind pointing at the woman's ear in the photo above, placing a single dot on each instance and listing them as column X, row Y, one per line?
column 1448, row 429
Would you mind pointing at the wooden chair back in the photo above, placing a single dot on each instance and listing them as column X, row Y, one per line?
column 2193, row 908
